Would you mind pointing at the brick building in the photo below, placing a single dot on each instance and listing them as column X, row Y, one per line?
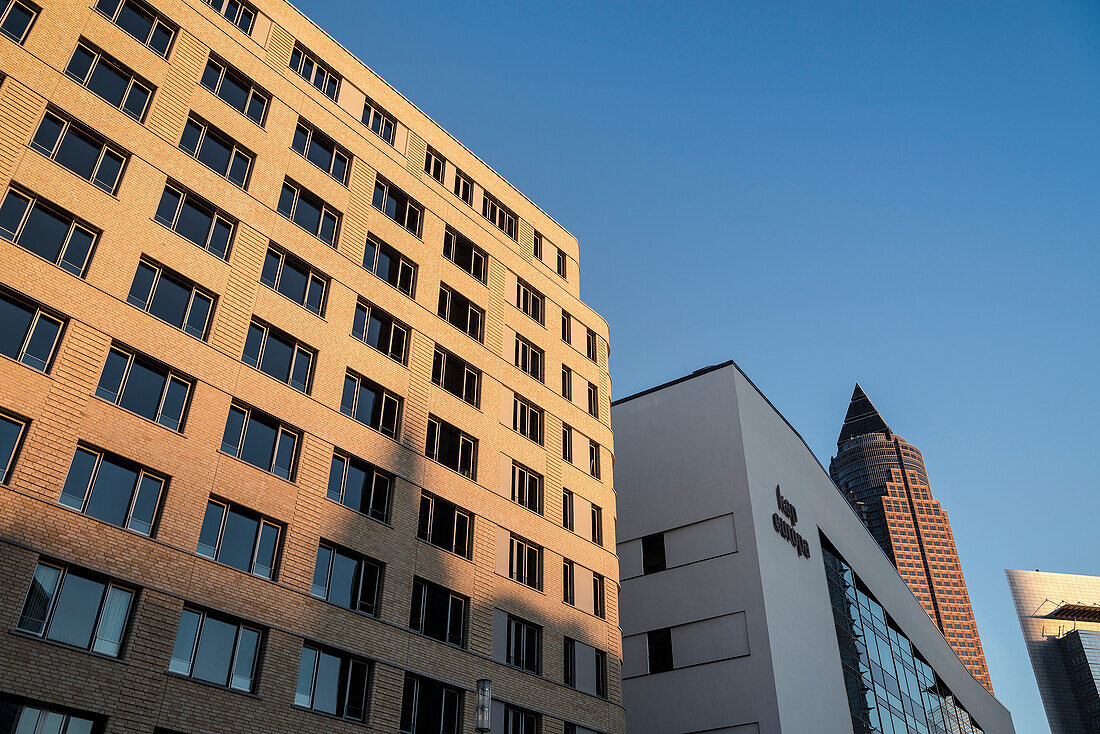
column 283, row 442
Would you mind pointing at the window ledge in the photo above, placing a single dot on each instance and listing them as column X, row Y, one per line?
column 208, row 684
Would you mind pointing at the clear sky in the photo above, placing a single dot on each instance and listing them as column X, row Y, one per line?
column 900, row 194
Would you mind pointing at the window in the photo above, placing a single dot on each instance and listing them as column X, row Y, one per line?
column 597, row 525
column 429, row 707
column 456, row 376
column 321, row 151
column 395, row 204
column 333, row 683
column 451, row 447
column 235, row 89
column 591, row 346
column 593, row 458
column 525, row 562
column 567, row 505
column 217, row 151
column 464, row 187
column 77, row 608
column 524, row 645
column 346, row 578
column 593, row 400
column 464, row 253
column 566, row 383
column 598, row 601
column 11, row 437
column 79, row 149
column 460, row 312
column 518, row 721
column 52, row 234
column 390, row 265
column 568, row 581
column 434, row 165
column 498, row 214
column 260, row 440
column 529, row 358
column 141, row 386
column 438, row 612
column 563, row 264
column 659, row 644
column 141, row 22
column 216, row 649
column 445, row 525
column 359, row 485
column 527, row 419
column 381, row 331
column 537, row 248
column 196, row 220
column 375, row 118
column 530, row 301
column 31, row 720
column 309, row 212
column 239, row 538
column 310, row 68
column 110, row 80
column 27, row 333
column 112, row 489
column 567, row 443
column 566, row 327
column 16, row 18
column 371, row 404
column 279, row 355
column 526, row 488
column 653, row 553
column 171, row 298
column 237, row 12
column 594, row 678
column 295, row 279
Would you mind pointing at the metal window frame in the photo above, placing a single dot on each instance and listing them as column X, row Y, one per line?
column 33, row 201
column 158, row 19
column 159, row 271
column 108, row 584
column 253, row 90
column 67, row 124
column 34, row 11
column 169, row 374
column 101, row 57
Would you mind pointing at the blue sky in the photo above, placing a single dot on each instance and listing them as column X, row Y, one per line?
column 900, row 194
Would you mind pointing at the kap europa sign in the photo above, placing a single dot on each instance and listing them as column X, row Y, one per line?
column 784, row 522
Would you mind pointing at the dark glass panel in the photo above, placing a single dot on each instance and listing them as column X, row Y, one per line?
column 18, row 20
column 75, row 612
column 143, row 390
column 111, row 379
column 277, row 356
column 211, row 527
column 238, row 541
column 356, row 487
column 44, row 233
column 234, row 423
column 197, row 318
column 77, row 251
column 233, row 91
column 215, row 153
column 45, row 139
column 110, row 166
column 80, row 64
column 76, row 483
column 192, row 133
column 214, row 652
column 78, row 152
column 145, row 505
column 15, row 320
column 135, row 21
column 292, row 283
column 326, row 689
column 111, row 492
column 171, row 412
column 108, row 82
column 343, row 584
column 320, row 571
column 259, row 444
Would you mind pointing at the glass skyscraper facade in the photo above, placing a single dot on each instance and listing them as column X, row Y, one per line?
column 1081, row 654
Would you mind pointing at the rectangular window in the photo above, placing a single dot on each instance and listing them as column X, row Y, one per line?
column 139, row 385
column 451, row 447
column 239, row 538
column 659, row 647
column 566, row 383
column 591, row 346
column 142, row 22
column 464, row 187
column 81, row 150
column 78, row 608
column 524, row 645
column 171, row 298
column 598, row 601
column 460, row 312
column 27, row 333
column 597, row 525
column 309, row 212
column 396, row 204
column 314, row 71
column 320, row 150
column 518, row 721
column 360, row 485
column 566, row 327
column 381, row 331
column 16, row 19
column 109, row 79
column 371, row 404
column 261, row 441
column 235, row 89
column 593, row 400
column 464, row 253
column 216, row 649
column 527, row 419
column 279, row 355
column 380, row 123
column 195, row 219
column 113, row 489
column 348, row 579
column 498, row 214
column 537, row 248
column 456, row 376
column 430, row 707
column 295, row 279
column 567, row 443
column 238, row 12
column 568, row 581
column 438, row 612
column 51, row 233
column 593, row 458
column 567, row 520
column 434, row 165
column 563, row 264
column 653, row 553
column 445, row 525
column 11, row 439
column 31, row 720
column 217, row 151
column 333, row 683
column 530, row 301
column 390, row 265
column 525, row 562
column 595, row 678
column 529, row 358
column 526, row 488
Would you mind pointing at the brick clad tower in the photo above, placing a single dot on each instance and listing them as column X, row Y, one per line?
column 283, row 440
column 884, row 478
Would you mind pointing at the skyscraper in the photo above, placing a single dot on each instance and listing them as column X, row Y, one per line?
column 283, row 445
column 884, row 479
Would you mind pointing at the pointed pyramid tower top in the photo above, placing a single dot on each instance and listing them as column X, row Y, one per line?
column 862, row 418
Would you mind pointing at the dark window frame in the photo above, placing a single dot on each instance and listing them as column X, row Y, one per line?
column 39, row 315
column 312, row 135
column 236, row 150
column 369, row 605
column 378, row 121
column 290, row 211
column 381, row 485
column 499, row 215
column 528, row 419
column 244, row 13
column 170, row 375
column 518, row 646
column 432, row 448
column 254, row 95
column 156, row 20
column 82, row 502
column 282, row 431
column 523, row 494
column 424, row 606
column 531, row 301
column 24, row 424
column 398, row 206
column 320, row 75
column 432, row 508
column 443, row 362
column 375, row 249
column 314, row 278
column 435, row 165
column 455, row 247
column 133, row 80
column 474, row 316
column 299, row 350
column 390, row 403
column 160, row 273
column 70, row 125
column 345, row 678
column 255, row 567
column 186, row 669
column 397, row 347
column 522, row 555
column 33, row 202
column 530, row 359
column 186, row 197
